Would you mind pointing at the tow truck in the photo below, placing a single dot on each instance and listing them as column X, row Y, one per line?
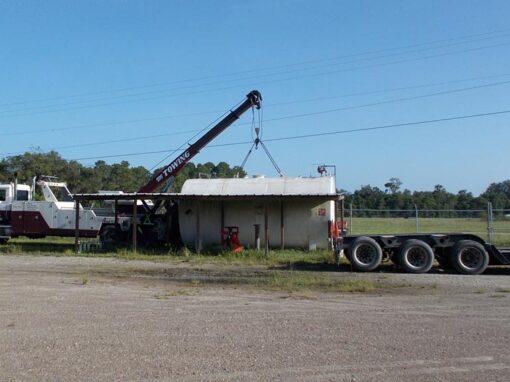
column 22, row 215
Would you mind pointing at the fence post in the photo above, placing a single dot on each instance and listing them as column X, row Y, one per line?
column 417, row 218
column 350, row 219
column 490, row 218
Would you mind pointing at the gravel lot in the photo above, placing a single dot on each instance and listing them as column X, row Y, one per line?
column 73, row 319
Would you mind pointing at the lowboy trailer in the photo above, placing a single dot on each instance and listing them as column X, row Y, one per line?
column 415, row 253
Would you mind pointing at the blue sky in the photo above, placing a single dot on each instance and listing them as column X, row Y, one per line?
column 80, row 76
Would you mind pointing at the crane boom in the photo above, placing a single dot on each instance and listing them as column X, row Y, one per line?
column 253, row 99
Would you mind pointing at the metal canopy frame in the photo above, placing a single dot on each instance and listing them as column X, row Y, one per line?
column 178, row 196
column 135, row 196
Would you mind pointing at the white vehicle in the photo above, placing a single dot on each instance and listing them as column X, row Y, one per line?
column 56, row 215
column 22, row 215
column 8, row 193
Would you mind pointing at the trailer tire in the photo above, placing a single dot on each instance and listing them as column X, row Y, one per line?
column 415, row 256
column 469, row 257
column 365, row 254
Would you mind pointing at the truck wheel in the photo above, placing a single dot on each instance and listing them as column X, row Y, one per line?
column 415, row 256
column 365, row 254
column 469, row 257
column 108, row 235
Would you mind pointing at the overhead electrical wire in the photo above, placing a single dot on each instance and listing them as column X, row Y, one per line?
column 16, row 112
column 113, row 123
column 495, row 34
column 319, row 134
column 172, row 116
column 387, row 90
column 245, row 78
column 352, row 107
column 385, row 102
column 415, row 123
column 187, row 141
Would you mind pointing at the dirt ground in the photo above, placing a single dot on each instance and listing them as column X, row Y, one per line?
column 99, row 320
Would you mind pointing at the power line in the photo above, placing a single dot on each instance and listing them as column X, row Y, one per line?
column 496, row 34
column 389, row 126
column 377, row 103
column 15, row 113
column 386, row 102
column 163, row 117
column 314, row 135
column 121, row 140
column 104, row 124
column 387, row 90
column 187, row 142
column 388, row 63
column 243, row 78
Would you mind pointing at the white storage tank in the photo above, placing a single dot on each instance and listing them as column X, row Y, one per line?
column 295, row 212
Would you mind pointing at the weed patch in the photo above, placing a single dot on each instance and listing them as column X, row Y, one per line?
column 175, row 293
column 300, row 281
column 84, row 279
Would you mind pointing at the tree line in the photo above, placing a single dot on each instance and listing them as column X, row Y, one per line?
column 101, row 176
column 122, row 176
column 392, row 197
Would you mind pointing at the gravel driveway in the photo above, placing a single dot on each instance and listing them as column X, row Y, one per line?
column 64, row 319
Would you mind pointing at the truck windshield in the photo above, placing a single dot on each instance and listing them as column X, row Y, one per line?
column 62, row 194
column 2, row 195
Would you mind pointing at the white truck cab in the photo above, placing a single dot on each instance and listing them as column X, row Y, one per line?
column 22, row 215
column 10, row 192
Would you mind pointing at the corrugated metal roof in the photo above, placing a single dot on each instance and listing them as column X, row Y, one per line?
column 261, row 186
column 235, row 189
column 174, row 196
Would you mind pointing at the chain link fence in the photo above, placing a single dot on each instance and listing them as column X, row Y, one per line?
column 493, row 225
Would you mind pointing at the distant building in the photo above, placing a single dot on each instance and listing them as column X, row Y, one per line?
column 284, row 212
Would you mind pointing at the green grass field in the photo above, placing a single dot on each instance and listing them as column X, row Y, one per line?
column 475, row 226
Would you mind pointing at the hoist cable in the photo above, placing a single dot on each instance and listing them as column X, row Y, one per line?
column 271, row 159
column 247, row 156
